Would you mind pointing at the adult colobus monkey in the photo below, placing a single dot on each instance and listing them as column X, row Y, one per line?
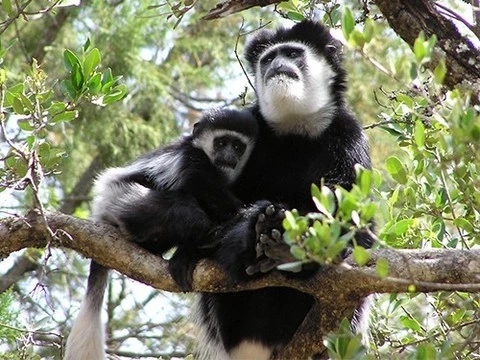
column 173, row 196
column 306, row 134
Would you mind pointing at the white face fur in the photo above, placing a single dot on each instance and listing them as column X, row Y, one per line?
column 302, row 105
column 205, row 142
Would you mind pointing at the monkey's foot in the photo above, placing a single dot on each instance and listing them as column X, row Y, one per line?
column 271, row 250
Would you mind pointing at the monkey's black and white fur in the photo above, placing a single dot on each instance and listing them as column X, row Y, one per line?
column 306, row 134
column 173, row 196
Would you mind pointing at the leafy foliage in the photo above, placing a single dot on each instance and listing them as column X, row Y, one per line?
column 63, row 111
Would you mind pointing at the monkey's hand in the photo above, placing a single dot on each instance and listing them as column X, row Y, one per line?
column 270, row 248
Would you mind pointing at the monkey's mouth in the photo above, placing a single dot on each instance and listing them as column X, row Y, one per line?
column 282, row 73
column 225, row 164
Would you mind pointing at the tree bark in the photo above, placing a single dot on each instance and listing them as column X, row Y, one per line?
column 409, row 17
column 338, row 290
column 229, row 7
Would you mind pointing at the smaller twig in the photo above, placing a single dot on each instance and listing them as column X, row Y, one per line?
column 454, row 15
column 238, row 58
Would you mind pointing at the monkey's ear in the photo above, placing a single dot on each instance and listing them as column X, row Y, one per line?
column 334, row 49
column 196, row 129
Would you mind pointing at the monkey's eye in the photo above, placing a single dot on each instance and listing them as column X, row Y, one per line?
column 239, row 147
column 218, row 144
column 267, row 60
column 293, row 54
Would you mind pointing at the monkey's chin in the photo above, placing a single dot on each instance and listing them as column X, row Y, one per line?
column 284, row 90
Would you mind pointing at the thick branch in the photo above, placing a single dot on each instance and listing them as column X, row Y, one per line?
column 338, row 290
column 408, row 17
column 230, row 7
column 428, row 270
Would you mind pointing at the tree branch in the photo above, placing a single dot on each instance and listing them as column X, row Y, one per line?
column 338, row 290
column 230, row 7
column 408, row 17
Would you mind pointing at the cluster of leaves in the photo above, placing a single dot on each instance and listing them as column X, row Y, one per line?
column 344, row 344
column 86, row 80
column 8, row 323
column 436, row 199
column 322, row 236
column 423, row 326
column 36, row 108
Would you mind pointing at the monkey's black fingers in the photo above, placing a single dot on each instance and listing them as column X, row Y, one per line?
column 281, row 214
column 260, row 224
column 276, row 234
column 270, row 210
column 267, row 265
column 263, row 238
column 259, row 250
column 280, row 253
column 253, row 269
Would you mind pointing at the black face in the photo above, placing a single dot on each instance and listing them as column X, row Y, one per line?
column 228, row 150
column 287, row 60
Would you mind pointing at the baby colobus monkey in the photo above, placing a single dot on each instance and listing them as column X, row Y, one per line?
column 173, row 196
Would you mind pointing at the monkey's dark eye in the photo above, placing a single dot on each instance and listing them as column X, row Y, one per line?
column 267, row 60
column 218, row 143
column 293, row 54
column 239, row 147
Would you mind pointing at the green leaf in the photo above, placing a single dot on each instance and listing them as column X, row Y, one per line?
column 411, row 324
column 396, row 169
column 107, row 77
column 366, row 180
column 400, row 227
column 419, row 134
column 8, row 8
column 77, row 77
column 382, row 268
column 25, row 125
column 295, row 16
column 12, row 92
column 312, row 245
column 360, row 255
column 56, row 108
column 68, row 89
column 413, row 70
column 369, row 29
column 18, row 106
column 426, row 352
column 92, row 60
column 26, row 101
column 404, row 98
column 298, row 252
column 419, row 48
column 86, row 45
column 64, row 116
column 289, row 221
column 357, row 38
column 95, row 84
column 464, row 224
column 440, row 72
column 70, row 59
column 348, row 22
column 116, row 94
